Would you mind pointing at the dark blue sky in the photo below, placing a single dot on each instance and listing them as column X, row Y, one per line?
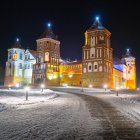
column 70, row 19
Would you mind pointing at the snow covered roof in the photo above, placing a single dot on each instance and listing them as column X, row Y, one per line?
column 34, row 53
column 117, row 64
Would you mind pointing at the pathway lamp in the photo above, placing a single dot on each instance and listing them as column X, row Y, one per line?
column 27, row 89
column 42, row 87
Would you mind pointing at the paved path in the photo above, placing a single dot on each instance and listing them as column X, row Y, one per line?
column 69, row 116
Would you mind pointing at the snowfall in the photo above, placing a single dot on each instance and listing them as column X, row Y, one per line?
column 68, row 113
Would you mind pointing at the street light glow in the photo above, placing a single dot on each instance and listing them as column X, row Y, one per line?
column 90, row 86
column 42, row 85
column 70, row 76
column 27, row 88
column 105, row 86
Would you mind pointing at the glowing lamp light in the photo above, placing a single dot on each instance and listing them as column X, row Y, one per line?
column 138, row 89
column 97, row 18
column 117, row 88
column 105, row 86
column 27, row 88
column 54, row 76
column 49, row 24
column 17, row 39
column 61, row 75
column 50, row 77
column 70, row 76
column 17, row 85
column 121, row 87
column 42, row 86
column 128, row 50
column 90, row 86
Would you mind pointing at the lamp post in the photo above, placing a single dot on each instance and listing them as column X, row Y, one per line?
column 9, row 87
column 27, row 90
column 42, row 86
column 105, row 87
column 117, row 89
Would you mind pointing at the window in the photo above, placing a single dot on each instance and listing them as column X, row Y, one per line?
column 95, row 66
column 20, row 65
column 20, row 56
column 28, row 66
column 31, row 66
column 47, row 56
column 89, row 67
column 28, row 56
column 25, row 66
column 25, row 57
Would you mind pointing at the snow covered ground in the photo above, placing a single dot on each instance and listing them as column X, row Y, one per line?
column 92, row 114
column 64, row 117
column 127, row 102
column 16, row 98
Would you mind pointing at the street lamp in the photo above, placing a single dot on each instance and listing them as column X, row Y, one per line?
column 117, row 89
column 105, row 87
column 90, row 86
column 9, row 87
column 27, row 90
column 42, row 86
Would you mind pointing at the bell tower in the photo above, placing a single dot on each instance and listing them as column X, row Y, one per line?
column 46, row 69
column 97, row 59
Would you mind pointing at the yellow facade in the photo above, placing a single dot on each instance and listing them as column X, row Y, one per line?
column 71, row 74
column 118, row 79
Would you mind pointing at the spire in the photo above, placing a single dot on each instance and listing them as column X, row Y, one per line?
column 97, row 24
column 17, row 44
column 48, row 33
column 128, row 53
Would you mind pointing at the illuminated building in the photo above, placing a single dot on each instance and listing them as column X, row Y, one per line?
column 97, row 59
column 46, row 69
column 97, row 69
column 129, row 61
column 71, row 73
column 18, row 66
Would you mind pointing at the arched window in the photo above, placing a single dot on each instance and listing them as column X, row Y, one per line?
column 95, row 66
column 47, row 56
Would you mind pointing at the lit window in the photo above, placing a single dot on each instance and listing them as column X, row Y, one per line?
column 47, row 56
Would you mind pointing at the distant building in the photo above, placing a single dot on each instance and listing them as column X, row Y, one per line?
column 97, row 68
column 19, row 65
column 97, row 59
column 46, row 69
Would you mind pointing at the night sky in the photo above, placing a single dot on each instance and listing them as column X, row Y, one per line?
column 27, row 21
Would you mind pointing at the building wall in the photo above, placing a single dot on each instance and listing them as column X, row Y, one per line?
column 71, row 74
column 47, row 62
column 15, row 71
column 97, row 59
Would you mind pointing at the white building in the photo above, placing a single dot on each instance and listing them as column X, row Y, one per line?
column 19, row 65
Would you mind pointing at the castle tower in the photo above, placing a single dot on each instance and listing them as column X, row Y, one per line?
column 97, row 59
column 46, row 69
column 130, row 70
column 14, row 65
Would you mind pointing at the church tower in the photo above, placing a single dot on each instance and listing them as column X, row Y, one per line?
column 14, row 70
column 129, row 61
column 97, row 59
column 46, row 69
